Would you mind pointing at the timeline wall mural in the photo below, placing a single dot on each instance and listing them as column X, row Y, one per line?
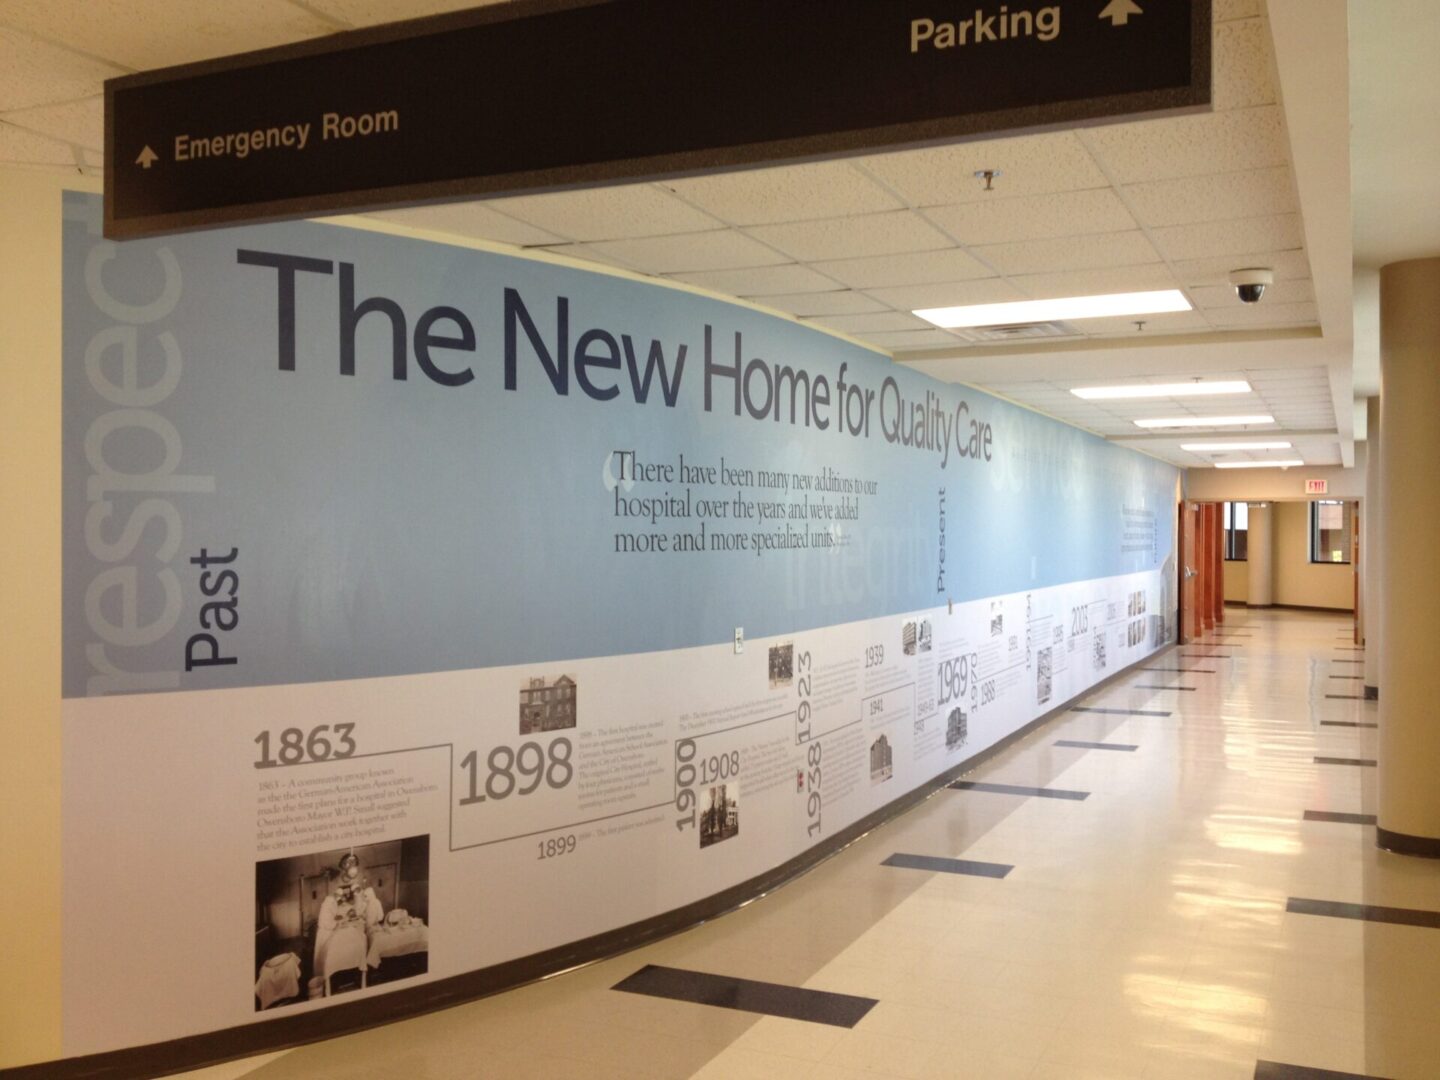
column 412, row 591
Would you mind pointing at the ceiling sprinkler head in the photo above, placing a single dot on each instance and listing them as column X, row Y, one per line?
column 988, row 175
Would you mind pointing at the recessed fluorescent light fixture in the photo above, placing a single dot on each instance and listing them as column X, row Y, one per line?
column 1218, row 447
column 1204, row 421
column 1257, row 464
column 1070, row 307
column 1146, row 390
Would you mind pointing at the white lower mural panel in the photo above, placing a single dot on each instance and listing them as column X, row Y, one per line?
column 258, row 851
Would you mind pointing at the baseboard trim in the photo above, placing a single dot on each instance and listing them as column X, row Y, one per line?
column 1425, row 847
column 284, row 1033
column 1291, row 607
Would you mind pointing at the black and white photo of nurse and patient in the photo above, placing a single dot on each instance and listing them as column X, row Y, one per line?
column 332, row 922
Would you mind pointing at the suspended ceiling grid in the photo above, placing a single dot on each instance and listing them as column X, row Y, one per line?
column 850, row 245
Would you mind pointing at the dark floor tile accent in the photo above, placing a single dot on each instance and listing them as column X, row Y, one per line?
column 1095, row 745
column 1156, row 686
column 1338, row 818
column 1120, row 712
column 1344, row 761
column 747, row 995
column 1187, row 670
column 1202, row 656
column 948, row 866
column 1347, row 661
column 1275, row 1070
column 1348, row 648
column 1346, row 723
column 1345, row 697
column 1347, row 676
column 1017, row 789
column 1396, row 916
column 1372, row 693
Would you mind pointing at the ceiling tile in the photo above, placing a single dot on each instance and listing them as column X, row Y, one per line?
column 1110, row 279
column 141, row 34
column 80, row 122
column 1280, row 232
column 1070, row 253
column 1217, row 197
column 588, row 253
column 1192, row 145
column 369, row 12
column 1282, row 292
column 34, row 73
column 723, row 249
column 1243, row 65
column 474, row 220
column 1029, row 165
column 840, row 302
column 760, row 281
column 1216, row 270
column 901, row 340
column 18, row 146
column 1288, row 376
column 948, row 294
column 853, row 237
column 1070, row 213
column 920, row 268
column 829, row 189
column 607, row 213
column 1175, row 322
column 874, row 323
column 1262, row 314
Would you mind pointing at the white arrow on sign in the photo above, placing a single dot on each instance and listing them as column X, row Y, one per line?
column 147, row 158
column 1119, row 11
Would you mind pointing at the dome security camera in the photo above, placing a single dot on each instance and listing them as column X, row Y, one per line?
column 1250, row 283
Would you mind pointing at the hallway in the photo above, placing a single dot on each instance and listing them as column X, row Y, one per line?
column 1128, row 919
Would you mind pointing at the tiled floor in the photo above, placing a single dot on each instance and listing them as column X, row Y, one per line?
column 1142, row 932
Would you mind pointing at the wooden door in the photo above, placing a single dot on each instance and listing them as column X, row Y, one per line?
column 1190, row 624
column 1217, row 562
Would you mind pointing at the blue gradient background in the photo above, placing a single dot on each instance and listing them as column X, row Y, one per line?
column 390, row 528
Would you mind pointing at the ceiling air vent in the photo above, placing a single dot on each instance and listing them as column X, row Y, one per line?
column 1035, row 331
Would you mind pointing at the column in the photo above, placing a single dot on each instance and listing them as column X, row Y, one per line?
column 1409, row 773
column 1371, row 524
column 1261, row 555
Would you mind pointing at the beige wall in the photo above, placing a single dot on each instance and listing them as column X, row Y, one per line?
column 1237, row 582
column 1298, row 581
column 1295, row 579
column 1264, row 485
column 30, row 610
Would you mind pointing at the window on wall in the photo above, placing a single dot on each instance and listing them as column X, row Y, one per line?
column 1237, row 531
column 1330, row 524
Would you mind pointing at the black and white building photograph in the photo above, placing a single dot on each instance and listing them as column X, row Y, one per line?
column 907, row 638
column 782, row 665
column 336, row 921
column 1043, row 681
column 547, row 704
column 923, row 636
column 720, row 814
column 882, row 760
column 957, row 729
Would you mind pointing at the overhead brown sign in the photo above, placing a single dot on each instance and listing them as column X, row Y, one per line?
column 543, row 94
